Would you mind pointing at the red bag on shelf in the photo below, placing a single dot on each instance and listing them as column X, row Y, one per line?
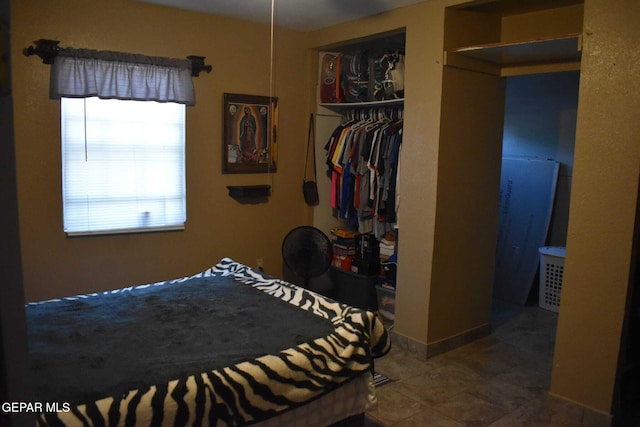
column 330, row 87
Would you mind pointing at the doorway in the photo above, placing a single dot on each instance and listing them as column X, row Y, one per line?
column 539, row 124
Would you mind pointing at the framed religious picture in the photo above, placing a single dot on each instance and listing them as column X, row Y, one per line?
column 250, row 134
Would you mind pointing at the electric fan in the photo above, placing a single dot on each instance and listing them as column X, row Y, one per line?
column 307, row 252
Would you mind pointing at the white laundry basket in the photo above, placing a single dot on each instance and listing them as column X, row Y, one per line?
column 551, row 272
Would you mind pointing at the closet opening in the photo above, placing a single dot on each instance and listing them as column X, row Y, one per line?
column 511, row 78
column 535, row 187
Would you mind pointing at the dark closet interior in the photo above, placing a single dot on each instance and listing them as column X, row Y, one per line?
column 540, row 122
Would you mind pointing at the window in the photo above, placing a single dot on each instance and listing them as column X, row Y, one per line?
column 123, row 165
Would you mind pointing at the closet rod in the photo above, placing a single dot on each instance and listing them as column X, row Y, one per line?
column 393, row 113
column 47, row 50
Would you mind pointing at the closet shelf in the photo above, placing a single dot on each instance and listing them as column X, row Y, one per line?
column 369, row 104
column 505, row 58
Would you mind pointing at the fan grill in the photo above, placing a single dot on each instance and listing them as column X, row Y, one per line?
column 307, row 251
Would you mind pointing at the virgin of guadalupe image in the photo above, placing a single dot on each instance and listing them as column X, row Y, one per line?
column 248, row 128
column 250, row 144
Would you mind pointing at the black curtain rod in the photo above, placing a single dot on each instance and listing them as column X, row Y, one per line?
column 47, row 50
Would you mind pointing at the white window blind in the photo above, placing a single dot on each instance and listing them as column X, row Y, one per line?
column 123, row 165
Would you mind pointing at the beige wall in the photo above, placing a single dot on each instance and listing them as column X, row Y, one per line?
column 543, row 23
column 217, row 226
column 603, row 207
column 469, row 164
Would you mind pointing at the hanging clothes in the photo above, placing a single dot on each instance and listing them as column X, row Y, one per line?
column 363, row 156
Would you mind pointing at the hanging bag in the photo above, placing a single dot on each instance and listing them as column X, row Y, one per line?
column 310, row 188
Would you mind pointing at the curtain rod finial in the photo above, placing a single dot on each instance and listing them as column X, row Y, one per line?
column 45, row 49
column 197, row 65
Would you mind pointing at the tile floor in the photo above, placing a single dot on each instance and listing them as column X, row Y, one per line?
column 500, row 380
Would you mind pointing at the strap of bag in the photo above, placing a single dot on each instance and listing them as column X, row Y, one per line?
column 311, row 141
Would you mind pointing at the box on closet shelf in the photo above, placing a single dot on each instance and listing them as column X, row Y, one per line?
column 344, row 248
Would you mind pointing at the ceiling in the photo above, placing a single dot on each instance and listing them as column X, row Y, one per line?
column 302, row 15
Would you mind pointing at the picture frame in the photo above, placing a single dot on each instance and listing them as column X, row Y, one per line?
column 250, row 133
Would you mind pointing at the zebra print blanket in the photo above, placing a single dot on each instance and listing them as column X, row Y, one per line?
column 264, row 374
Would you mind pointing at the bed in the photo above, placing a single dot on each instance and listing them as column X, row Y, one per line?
column 228, row 346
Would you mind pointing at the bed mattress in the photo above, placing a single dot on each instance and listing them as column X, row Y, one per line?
column 228, row 346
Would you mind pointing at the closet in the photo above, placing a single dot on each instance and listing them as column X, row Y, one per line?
column 490, row 45
column 487, row 46
column 484, row 42
column 359, row 120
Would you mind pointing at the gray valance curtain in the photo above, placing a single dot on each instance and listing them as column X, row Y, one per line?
column 82, row 73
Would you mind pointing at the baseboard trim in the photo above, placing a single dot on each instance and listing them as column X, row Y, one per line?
column 415, row 348
column 450, row 343
column 590, row 417
column 421, row 350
